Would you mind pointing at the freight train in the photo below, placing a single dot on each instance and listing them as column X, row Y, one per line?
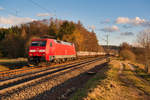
column 52, row 50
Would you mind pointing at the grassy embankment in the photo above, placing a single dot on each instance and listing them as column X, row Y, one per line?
column 8, row 64
column 120, row 83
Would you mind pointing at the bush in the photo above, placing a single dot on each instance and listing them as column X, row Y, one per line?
column 13, row 46
column 1, row 54
column 127, row 55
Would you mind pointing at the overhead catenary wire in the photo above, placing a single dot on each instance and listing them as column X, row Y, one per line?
column 11, row 13
column 37, row 4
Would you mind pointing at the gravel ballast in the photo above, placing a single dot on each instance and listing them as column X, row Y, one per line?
column 49, row 85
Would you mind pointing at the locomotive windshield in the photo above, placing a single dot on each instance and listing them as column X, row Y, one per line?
column 38, row 43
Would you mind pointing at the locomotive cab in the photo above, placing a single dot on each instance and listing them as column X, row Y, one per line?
column 37, row 50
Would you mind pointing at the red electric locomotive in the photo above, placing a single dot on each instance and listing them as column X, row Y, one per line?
column 50, row 50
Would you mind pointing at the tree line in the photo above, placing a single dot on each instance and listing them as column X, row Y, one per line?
column 15, row 41
column 139, row 53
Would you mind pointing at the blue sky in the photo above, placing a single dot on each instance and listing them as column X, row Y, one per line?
column 121, row 19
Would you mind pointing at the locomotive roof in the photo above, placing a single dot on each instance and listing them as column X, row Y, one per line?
column 40, row 39
column 57, row 41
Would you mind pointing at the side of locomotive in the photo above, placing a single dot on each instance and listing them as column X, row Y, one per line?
column 50, row 50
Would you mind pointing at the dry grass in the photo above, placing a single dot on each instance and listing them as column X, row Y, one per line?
column 140, row 71
column 119, row 86
column 141, row 66
column 13, row 60
column 140, row 87
column 110, row 88
column 13, row 63
column 3, row 68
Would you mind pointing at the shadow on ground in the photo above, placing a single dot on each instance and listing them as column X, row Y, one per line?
column 133, row 82
column 14, row 65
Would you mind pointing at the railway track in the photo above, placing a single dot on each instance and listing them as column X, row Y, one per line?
column 6, row 75
column 12, row 85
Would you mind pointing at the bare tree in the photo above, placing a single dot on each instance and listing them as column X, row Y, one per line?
column 143, row 38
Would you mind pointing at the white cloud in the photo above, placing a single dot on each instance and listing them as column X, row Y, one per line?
column 122, row 20
column 13, row 20
column 110, row 29
column 1, row 8
column 44, row 14
column 91, row 27
column 137, row 21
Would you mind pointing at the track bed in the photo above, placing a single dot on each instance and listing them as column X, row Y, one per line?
column 32, row 85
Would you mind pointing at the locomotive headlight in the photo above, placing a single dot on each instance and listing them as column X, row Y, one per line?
column 32, row 51
column 41, row 50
